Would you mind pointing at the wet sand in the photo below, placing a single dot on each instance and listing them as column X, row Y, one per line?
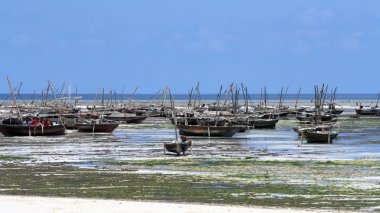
column 21, row 204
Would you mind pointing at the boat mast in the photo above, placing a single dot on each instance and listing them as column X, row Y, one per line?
column 132, row 96
column 190, row 95
column 198, row 96
column 69, row 93
column 14, row 99
column 56, row 103
column 103, row 98
column 298, row 95
column 174, row 114
column 34, row 94
column 377, row 102
column 76, row 96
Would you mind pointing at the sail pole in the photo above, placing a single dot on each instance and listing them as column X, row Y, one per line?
column 14, row 99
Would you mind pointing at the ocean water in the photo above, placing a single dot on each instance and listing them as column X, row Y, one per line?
column 183, row 97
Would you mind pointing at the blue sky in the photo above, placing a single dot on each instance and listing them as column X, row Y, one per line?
column 152, row 44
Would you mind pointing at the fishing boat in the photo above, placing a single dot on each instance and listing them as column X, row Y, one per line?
column 311, row 118
column 265, row 123
column 69, row 120
column 184, row 121
column 335, row 111
column 176, row 146
column 25, row 130
column 312, row 127
column 374, row 111
column 211, row 131
column 305, row 118
column 324, row 136
column 369, row 110
column 127, row 119
column 97, row 127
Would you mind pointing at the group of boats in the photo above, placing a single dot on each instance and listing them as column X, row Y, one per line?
column 317, row 124
column 19, row 126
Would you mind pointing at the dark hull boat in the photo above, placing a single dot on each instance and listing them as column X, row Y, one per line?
column 183, row 120
column 20, row 130
column 101, row 127
column 310, row 118
column 212, row 131
column 127, row 119
column 305, row 118
column 265, row 123
column 335, row 111
column 69, row 120
column 373, row 111
column 320, row 136
column 301, row 129
column 176, row 146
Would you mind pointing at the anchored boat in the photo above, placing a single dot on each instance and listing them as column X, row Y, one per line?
column 24, row 130
column 176, row 146
column 96, row 127
column 211, row 131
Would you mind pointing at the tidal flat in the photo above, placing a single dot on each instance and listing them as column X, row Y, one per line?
column 343, row 185
column 260, row 167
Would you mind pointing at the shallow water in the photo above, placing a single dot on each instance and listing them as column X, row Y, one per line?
column 359, row 139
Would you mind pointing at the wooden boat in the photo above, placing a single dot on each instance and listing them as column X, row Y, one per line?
column 183, row 120
column 311, row 118
column 321, row 127
column 313, row 136
column 176, row 147
column 368, row 111
column 69, row 120
column 243, row 128
column 127, row 119
column 305, row 118
column 265, row 123
column 335, row 111
column 212, row 131
column 96, row 127
column 23, row 130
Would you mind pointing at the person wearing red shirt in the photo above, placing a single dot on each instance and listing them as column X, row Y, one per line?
column 42, row 122
column 48, row 123
column 34, row 122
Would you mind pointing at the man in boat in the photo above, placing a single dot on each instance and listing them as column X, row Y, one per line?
column 183, row 143
column 47, row 123
column 34, row 122
column 41, row 123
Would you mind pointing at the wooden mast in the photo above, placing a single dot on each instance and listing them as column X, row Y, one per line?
column 14, row 99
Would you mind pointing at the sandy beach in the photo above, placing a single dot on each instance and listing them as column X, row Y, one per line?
column 21, row 204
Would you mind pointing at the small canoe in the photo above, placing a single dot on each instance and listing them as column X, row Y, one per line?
column 176, row 146
column 21, row 130
column 319, row 136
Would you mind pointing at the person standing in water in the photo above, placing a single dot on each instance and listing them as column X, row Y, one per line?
column 183, row 143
